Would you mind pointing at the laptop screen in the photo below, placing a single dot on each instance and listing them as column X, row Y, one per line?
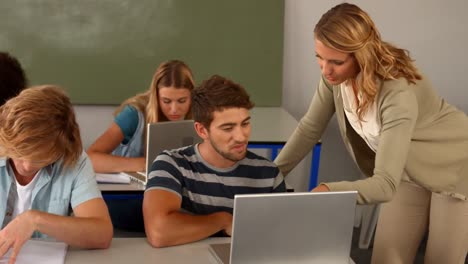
column 165, row 136
column 168, row 135
column 293, row 228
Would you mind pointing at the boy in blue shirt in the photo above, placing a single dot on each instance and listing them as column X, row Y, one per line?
column 44, row 172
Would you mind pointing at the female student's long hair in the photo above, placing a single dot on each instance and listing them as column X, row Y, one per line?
column 347, row 28
column 173, row 73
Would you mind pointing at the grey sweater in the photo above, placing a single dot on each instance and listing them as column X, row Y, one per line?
column 422, row 137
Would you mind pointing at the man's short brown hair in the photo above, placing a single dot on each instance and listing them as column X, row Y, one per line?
column 216, row 94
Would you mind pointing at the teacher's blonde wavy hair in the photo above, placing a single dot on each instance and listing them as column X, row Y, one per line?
column 347, row 28
column 39, row 125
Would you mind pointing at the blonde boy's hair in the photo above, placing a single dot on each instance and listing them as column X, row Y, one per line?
column 39, row 125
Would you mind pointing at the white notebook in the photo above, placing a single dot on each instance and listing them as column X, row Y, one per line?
column 39, row 252
column 112, row 178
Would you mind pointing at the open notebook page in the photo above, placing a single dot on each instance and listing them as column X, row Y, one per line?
column 39, row 252
column 112, row 178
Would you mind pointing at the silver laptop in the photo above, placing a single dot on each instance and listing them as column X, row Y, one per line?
column 164, row 136
column 290, row 228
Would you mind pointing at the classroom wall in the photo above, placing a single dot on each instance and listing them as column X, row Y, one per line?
column 93, row 121
column 433, row 31
column 103, row 52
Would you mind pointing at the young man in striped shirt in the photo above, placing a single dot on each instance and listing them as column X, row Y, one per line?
column 190, row 192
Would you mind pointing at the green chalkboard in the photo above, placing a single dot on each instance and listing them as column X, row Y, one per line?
column 104, row 51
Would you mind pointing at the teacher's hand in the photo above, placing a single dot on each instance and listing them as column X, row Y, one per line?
column 321, row 188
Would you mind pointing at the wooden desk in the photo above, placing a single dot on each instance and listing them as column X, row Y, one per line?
column 138, row 251
column 271, row 129
column 117, row 188
column 271, row 125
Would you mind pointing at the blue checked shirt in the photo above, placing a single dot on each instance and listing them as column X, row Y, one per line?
column 57, row 191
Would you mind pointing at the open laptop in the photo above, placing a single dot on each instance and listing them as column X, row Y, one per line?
column 164, row 136
column 290, row 228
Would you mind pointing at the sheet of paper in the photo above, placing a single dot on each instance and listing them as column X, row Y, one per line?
column 112, row 178
column 39, row 252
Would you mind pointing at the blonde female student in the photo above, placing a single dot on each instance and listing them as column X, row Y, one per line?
column 122, row 146
column 411, row 143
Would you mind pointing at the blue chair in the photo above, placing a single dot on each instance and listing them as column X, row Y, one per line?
column 314, row 167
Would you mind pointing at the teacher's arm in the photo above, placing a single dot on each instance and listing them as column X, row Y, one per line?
column 310, row 129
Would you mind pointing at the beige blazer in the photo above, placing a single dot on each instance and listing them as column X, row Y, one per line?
column 422, row 138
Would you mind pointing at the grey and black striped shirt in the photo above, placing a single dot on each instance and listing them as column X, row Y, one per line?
column 205, row 189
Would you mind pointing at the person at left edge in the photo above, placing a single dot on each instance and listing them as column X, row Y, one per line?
column 44, row 172
column 12, row 77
